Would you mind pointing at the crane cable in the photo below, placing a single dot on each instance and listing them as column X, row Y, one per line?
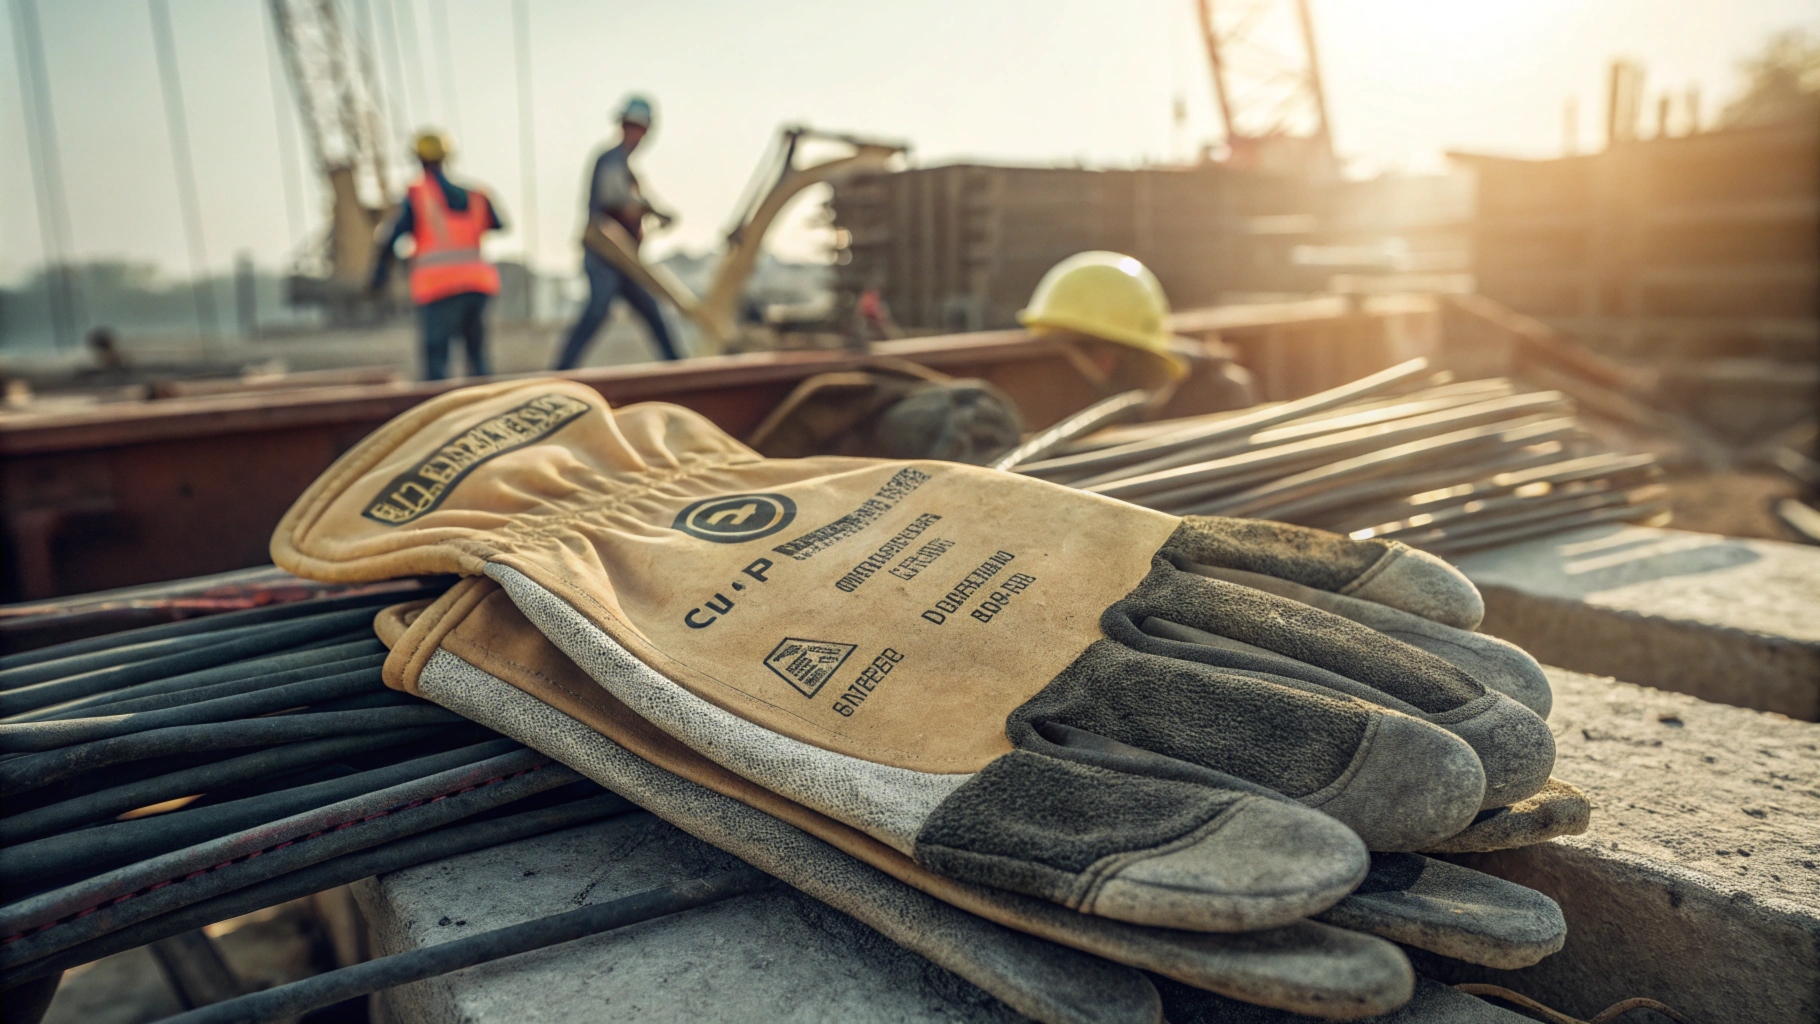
column 47, row 167
column 190, row 203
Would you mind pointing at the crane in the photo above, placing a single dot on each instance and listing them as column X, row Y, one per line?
column 338, row 98
column 1267, row 85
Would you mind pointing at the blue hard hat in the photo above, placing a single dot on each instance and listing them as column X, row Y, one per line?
column 636, row 111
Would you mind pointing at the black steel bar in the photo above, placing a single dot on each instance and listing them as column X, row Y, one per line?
column 59, row 668
column 457, row 839
column 52, row 818
column 294, row 666
column 248, row 683
column 212, row 623
column 265, row 641
column 102, row 903
column 39, row 736
column 33, row 770
column 401, row 968
column 123, row 842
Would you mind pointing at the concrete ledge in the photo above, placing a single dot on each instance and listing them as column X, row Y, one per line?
column 1698, row 885
column 765, row 958
column 1699, row 882
column 1725, row 619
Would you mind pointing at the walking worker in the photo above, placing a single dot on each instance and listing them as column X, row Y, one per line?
column 613, row 192
column 450, row 282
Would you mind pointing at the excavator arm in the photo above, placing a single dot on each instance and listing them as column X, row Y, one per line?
column 717, row 313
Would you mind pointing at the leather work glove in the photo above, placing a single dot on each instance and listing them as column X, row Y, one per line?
column 1440, row 622
column 949, row 659
column 473, row 651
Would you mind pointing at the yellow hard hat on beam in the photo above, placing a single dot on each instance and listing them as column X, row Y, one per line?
column 1104, row 295
column 433, row 146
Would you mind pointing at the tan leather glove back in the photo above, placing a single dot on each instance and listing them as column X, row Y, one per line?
column 794, row 593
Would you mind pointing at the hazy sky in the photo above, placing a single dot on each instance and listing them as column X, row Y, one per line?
column 1022, row 81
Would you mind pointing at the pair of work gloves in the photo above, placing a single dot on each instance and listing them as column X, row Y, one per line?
column 1046, row 739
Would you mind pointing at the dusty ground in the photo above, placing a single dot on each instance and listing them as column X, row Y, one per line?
column 1736, row 504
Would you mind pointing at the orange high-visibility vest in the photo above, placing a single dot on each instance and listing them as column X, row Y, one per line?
column 448, row 260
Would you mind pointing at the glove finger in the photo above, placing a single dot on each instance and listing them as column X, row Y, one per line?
column 1304, row 967
column 1560, row 809
column 1452, row 910
column 1136, row 848
column 1499, row 664
column 1385, row 572
column 1398, row 782
column 1513, row 746
column 1220, row 623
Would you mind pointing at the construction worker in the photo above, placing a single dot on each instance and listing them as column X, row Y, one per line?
column 1111, row 312
column 450, row 282
column 613, row 192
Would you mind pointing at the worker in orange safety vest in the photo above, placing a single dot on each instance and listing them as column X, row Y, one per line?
column 450, row 282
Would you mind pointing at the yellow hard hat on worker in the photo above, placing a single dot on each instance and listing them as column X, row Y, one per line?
column 433, row 146
column 1105, row 295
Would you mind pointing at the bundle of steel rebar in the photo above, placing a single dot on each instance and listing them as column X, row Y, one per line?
column 1449, row 466
column 160, row 779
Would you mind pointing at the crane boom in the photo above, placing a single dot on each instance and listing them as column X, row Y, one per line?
column 1267, row 85
column 341, row 113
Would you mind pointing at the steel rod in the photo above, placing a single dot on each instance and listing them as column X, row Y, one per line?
column 1235, row 426
column 1095, row 416
column 275, row 638
column 460, row 838
column 1346, row 418
column 123, row 842
column 210, row 623
column 51, row 818
column 1391, row 459
column 401, row 968
column 38, row 736
column 113, row 899
column 1513, row 408
column 293, row 666
column 33, row 770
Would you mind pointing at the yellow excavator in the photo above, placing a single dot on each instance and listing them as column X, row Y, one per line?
column 716, row 313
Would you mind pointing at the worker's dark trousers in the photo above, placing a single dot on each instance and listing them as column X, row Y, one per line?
column 462, row 314
column 606, row 283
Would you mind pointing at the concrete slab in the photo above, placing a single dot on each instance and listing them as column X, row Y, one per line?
column 1727, row 619
column 1697, row 885
column 765, row 958
column 1699, row 881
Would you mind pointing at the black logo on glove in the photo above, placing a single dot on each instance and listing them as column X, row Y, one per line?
column 807, row 664
column 736, row 518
